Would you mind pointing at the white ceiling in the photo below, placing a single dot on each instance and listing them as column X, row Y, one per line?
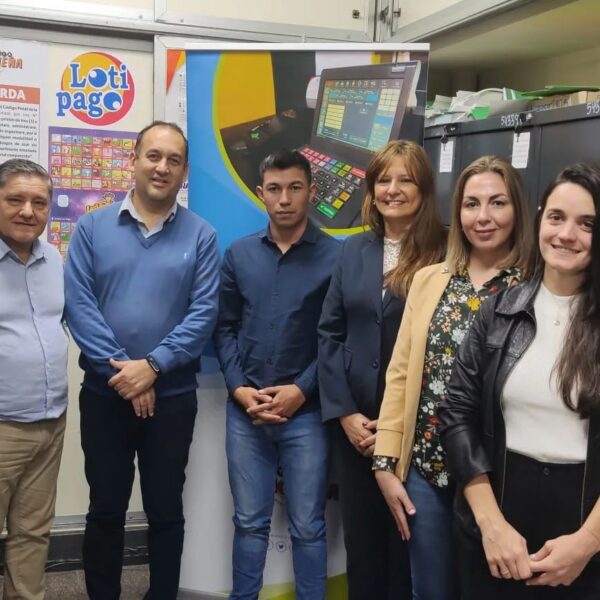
column 540, row 29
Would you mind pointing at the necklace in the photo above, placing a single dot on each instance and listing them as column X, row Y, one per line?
column 562, row 305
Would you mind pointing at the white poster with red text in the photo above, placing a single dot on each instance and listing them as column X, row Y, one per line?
column 23, row 76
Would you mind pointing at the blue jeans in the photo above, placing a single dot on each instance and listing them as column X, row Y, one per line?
column 431, row 549
column 301, row 448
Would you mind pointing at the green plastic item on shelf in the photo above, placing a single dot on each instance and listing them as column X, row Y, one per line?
column 480, row 112
column 552, row 90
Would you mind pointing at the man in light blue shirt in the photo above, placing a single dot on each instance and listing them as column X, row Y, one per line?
column 33, row 375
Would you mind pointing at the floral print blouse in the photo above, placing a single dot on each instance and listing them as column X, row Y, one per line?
column 451, row 320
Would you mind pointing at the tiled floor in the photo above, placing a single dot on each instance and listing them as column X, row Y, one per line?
column 70, row 585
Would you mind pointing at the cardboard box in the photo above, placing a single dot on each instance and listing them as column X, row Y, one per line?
column 562, row 100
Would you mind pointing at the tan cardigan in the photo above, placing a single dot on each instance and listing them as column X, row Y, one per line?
column 398, row 415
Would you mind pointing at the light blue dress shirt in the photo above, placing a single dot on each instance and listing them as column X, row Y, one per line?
column 33, row 341
column 127, row 205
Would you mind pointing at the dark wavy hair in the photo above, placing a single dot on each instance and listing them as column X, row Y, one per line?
column 577, row 367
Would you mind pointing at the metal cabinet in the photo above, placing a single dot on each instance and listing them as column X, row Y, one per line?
column 436, row 138
column 558, row 138
column 573, row 137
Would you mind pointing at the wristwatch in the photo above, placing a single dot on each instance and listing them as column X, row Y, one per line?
column 153, row 364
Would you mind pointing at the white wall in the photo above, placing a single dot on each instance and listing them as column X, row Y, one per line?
column 575, row 68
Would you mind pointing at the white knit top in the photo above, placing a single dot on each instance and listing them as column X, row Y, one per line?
column 538, row 424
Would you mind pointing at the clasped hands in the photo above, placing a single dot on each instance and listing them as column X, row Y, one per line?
column 360, row 431
column 558, row 562
column 271, row 405
column 134, row 382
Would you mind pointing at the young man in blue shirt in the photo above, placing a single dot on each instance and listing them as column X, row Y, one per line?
column 141, row 286
column 33, row 375
column 272, row 288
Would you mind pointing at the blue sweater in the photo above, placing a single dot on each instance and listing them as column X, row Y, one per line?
column 127, row 296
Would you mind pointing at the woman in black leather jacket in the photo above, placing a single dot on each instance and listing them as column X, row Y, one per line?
column 521, row 423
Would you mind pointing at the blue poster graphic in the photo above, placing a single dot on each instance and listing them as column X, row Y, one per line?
column 337, row 108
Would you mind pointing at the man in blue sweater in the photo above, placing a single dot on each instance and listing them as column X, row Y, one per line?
column 273, row 286
column 141, row 287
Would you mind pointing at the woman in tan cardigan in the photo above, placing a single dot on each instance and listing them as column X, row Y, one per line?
column 488, row 248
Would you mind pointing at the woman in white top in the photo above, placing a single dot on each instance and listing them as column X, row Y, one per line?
column 521, row 424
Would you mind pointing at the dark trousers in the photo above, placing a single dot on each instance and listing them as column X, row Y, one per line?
column 111, row 435
column 377, row 560
column 542, row 501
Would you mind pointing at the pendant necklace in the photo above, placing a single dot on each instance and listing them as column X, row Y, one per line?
column 562, row 305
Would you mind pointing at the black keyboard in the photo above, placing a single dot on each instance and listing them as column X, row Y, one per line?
column 335, row 181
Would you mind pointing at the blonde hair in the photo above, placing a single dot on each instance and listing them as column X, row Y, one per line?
column 425, row 241
column 459, row 248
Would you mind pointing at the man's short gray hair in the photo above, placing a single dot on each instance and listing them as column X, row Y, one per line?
column 22, row 166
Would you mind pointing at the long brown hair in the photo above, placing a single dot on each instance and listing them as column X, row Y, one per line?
column 577, row 367
column 459, row 248
column 425, row 240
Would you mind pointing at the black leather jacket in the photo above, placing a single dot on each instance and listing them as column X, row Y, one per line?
column 473, row 432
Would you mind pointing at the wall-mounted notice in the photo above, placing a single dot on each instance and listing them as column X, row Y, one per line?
column 446, row 156
column 520, row 152
column 90, row 169
column 22, row 77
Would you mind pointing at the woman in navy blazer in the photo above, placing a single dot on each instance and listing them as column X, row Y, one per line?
column 358, row 329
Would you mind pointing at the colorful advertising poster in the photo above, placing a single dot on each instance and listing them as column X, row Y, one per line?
column 96, row 88
column 338, row 108
column 22, row 77
column 90, row 169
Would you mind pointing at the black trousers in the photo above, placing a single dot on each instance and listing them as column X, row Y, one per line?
column 541, row 501
column 111, row 436
column 377, row 560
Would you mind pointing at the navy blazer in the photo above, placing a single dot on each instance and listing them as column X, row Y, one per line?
column 357, row 331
